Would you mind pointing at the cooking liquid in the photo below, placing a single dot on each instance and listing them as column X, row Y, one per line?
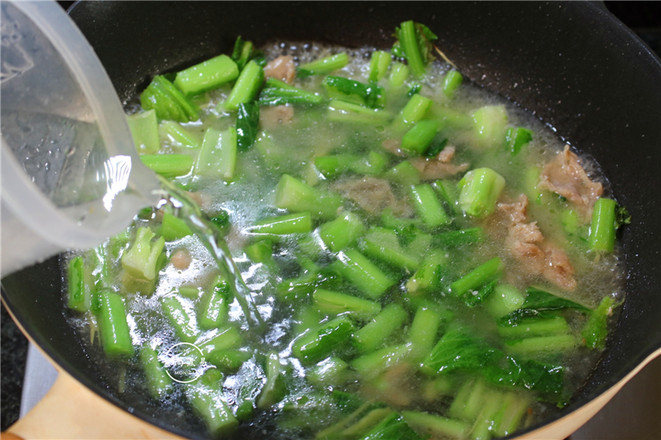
column 268, row 324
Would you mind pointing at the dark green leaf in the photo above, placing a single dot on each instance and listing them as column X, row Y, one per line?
column 460, row 349
column 435, row 148
column 247, row 125
column 541, row 300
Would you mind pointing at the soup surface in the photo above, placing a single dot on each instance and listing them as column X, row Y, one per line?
column 417, row 258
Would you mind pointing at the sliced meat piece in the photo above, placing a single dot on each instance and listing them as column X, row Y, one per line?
column 517, row 210
column 271, row 117
column 282, row 68
column 373, row 195
column 438, row 167
column 528, row 246
column 564, row 175
column 446, row 154
column 558, row 269
column 392, row 146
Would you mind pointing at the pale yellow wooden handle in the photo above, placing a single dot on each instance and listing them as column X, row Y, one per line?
column 567, row 425
column 71, row 411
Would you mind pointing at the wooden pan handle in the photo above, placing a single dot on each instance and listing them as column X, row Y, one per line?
column 71, row 411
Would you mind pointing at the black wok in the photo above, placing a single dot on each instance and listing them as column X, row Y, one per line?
column 572, row 64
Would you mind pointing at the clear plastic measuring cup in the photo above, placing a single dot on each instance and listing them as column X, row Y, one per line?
column 70, row 173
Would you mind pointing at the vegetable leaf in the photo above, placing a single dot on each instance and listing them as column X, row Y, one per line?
column 247, row 125
column 541, row 300
column 459, row 349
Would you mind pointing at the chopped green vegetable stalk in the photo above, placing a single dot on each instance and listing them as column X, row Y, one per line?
column 217, row 157
column 247, row 125
column 175, row 132
column 514, row 407
column 595, row 330
column 399, row 73
column 168, row 165
column 423, row 331
column 602, row 230
column 436, row 426
column 214, row 305
column 428, row 206
column 80, row 290
column 167, row 101
column 157, row 380
column 223, row 339
column 374, row 334
column 428, row 275
column 489, row 126
column 517, row 138
column 173, row 228
column 541, row 346
column 260, row 252
column 323, row 65
column 317, row 343
column 294, row 195
column 478, row 277
column 276, row 92
column 207, row 75
column 415, row 43
column 504, row 300
column 479, row 191
column 334, row 165
column 141, row 259
column 414, row 111
column 274, row 388
column 144, row 129
column 246, row 87
column 362, row 273
column 332, row 371
column 404, row 173
column 341, row 303
column 342, row 111
column 297, row 223
column 420, row 136
column 467, row 402
column 242, row 52
column 537, row 326
column 181, row 315
column 228, row 361
column 341, row 232
column 384, row 245
column 379, row 64
column 372, row 364
column 460, row 237
column 451, row 82
column 357, row 92
column 207, row 399
column 114, row 330
column 485, row 422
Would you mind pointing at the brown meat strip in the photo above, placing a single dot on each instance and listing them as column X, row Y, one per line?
column 564, row 175
column 526, row 243
column 438, row 167
column 373, row 195
column 281, row 68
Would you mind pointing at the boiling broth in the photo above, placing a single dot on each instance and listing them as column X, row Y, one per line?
column 384, row 375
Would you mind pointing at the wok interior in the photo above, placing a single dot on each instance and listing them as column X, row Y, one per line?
column 572, row 64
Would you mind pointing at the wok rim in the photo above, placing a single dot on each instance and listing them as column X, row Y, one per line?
column 652, row 350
